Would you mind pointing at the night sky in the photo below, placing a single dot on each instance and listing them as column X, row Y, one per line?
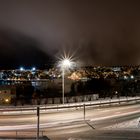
column 97, row 32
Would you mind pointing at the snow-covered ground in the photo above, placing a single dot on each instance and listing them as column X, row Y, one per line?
column 132, row 124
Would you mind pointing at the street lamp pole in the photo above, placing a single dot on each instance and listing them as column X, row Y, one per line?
column 65, row 65
column 38, row 119
column 63, row 85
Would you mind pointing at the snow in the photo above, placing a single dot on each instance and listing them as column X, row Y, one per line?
column 132, row 124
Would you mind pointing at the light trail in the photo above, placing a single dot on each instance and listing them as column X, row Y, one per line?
column 19, row 122
column 68, row 121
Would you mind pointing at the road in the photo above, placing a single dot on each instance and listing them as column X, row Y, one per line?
column 66, row 124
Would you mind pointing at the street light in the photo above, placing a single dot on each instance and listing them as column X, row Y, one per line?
column 65, row 64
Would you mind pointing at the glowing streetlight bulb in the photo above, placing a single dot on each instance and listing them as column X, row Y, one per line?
column 66, row 63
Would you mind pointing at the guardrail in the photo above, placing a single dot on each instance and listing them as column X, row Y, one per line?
column 100, row 102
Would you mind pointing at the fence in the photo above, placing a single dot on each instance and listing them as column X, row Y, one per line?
column 56, row 107
column 72, row 99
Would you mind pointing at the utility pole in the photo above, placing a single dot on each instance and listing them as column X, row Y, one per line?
column 84, row 111
column 63, row 85
column 38, row 115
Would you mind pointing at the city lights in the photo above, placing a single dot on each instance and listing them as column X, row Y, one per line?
column 132, row 77
column 21, row 69
column 7, row 100
column 125, row 77
column 33, row 69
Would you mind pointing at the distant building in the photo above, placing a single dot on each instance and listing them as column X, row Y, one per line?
column 116, row 69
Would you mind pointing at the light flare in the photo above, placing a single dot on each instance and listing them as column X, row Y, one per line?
column 66, row 62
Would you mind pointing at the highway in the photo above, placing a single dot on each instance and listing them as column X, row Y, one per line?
column 68, row 124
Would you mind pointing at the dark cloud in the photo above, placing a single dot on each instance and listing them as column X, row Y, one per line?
column 19, row 50
column 99, row 32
